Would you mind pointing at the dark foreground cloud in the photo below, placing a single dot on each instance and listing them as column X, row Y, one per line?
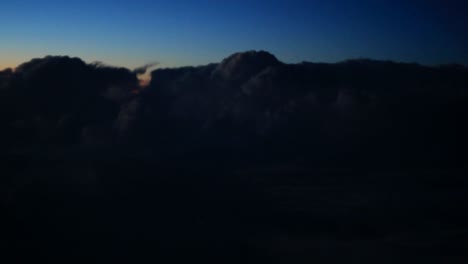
column 246, row 157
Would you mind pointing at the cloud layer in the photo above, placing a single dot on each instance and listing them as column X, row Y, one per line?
column 246, row 99
column 246, row 158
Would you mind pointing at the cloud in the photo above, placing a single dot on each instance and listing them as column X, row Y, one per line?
column 250, row 137
column 56, row 97
column 143, row 69
column 247, row 95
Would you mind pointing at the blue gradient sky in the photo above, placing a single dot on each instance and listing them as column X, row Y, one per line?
column 132, row 33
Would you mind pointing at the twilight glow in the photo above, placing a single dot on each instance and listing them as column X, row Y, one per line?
column 132, row 33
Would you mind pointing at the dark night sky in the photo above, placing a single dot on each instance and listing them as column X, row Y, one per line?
column 133, row 32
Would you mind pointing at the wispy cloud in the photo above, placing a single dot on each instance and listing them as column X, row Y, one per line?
column 143, row 69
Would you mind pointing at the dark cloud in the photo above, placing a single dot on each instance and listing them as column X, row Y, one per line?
column 245, row 97
column 5, row 77
column 53, row 98
column 249, row 153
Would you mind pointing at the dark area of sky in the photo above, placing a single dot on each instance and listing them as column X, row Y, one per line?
column 132, row 33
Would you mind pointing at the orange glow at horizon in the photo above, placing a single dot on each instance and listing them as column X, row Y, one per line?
column 6, row 66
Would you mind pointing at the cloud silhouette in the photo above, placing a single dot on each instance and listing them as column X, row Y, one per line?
column 246, row 97
column 50, row 100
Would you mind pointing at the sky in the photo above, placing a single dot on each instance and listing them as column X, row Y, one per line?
column 131, row 33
